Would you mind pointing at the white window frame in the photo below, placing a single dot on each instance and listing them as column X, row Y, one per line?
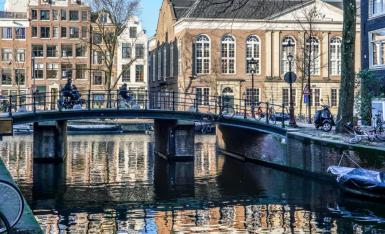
column 381, row 53
column 228, row 55
column 205, row 99
column 335, row 62
column 204, row 41
column 255, row 43
column 315, row 67
column 284, row 62
column 371, row 8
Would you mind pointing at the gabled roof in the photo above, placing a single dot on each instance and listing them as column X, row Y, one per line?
column 181, row 7
column 236, row 9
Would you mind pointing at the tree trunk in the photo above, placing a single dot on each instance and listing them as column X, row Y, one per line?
column 346, row 100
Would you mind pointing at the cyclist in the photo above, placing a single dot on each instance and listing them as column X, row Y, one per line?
column 75, row 94
column 125, row 93
column 67, row 90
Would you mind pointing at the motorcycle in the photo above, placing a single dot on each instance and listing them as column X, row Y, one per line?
column 324, row 119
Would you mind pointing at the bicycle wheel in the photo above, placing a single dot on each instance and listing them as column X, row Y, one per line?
column 4, row 225
column 273, row 116
column 380, row 137
column 259, row 115
column 355, row 140
column 228, row 112
column 11, row 203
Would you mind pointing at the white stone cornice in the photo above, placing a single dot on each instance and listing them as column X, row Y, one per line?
column 281, row 25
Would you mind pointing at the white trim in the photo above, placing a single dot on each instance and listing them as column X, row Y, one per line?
column 203, row 57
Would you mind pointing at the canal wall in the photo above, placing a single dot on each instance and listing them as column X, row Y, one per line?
column 27, row 223
column 297, row 152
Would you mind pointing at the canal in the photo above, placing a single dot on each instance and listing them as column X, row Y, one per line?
column 115, row 184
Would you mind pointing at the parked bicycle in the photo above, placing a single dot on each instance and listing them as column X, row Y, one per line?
column 359, row 134
column 11, row 205
column 260, row 114
column 379, row 123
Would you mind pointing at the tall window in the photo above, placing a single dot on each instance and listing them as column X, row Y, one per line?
column 253, row 52
column 6, row 33
column 334, row 98
column 20, row 55
column 126, row 77
column 126, row 50
column 51, row 51
column 20, row 33
column 6, row 76
column 37, row 51
column 6, row 54
column 132, row 32
column 38, row 72
column 52, row 71
column 285, row 97
column 66, row 50
column 312, row 55
column 228, row 54
column 20, row 76
column 139, row 73
column 202, row 96
column 317, row 97
column 44, row 14
column 377, row 7
column 66, row 71
column 81, row 71
column 250, row 94
column 139, row 51
column 81, row 50
column 97, row 78
column 44, row 32
column 335, row 56
column 202, row 55
column 377, row 48
column 285, row 52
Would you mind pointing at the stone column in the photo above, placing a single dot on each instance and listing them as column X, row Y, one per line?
column 174, row 139
column 50, row 141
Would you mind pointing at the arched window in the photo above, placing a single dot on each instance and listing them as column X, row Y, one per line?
column 312, row 55
column 335, row 56
column 253, row 52
column 202, row 55
column 285, row 52
column 228, row 54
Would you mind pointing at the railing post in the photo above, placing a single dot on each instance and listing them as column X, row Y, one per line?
column 283, row 115
column 196, row 104
column 89, row 100
column 245, row 110
column 220, row 104
column 109, row 99
column 60, row 101
column 117, row 99
column 34, row 102
column 45, row 100
column 10, row 106
column 173, row 100
column 267, row 113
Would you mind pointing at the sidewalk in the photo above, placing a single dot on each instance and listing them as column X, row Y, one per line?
column 310, row 131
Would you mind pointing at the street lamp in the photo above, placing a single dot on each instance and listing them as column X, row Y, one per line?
column 253, row 68
column 290, row 59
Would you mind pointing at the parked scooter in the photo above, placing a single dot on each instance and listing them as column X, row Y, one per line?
column 324, row 119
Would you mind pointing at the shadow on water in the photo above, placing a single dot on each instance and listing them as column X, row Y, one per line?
column 116, row 184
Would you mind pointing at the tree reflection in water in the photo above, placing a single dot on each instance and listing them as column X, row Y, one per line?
column 115, row 184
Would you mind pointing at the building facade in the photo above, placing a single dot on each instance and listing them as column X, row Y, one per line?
column 204, row 48
column 50, row 41
column 373, row 36
column 15, row 53
column 132, row 56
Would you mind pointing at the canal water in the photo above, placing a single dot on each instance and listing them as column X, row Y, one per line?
column 115, row 184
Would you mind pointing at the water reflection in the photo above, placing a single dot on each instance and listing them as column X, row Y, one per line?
column 115, row 184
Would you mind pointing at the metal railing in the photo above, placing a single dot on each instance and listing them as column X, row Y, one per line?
column 217, row 106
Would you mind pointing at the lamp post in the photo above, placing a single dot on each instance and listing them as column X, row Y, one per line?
column 253, row 68
column 290, row 59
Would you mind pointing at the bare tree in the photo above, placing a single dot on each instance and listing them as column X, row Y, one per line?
column 109, row 21
column 306, row 61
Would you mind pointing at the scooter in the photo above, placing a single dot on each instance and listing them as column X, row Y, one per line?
column 324, row 119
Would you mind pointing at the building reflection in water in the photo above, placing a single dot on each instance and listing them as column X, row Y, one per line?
column 115, row 184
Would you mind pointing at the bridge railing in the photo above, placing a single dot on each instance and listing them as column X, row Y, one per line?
column 222, row 106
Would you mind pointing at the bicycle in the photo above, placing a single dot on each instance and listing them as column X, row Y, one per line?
column 4, row 225
column 10, row 200
column 227, row 112
column 359, row 134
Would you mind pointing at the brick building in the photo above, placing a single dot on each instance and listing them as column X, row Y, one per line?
column 204, row 48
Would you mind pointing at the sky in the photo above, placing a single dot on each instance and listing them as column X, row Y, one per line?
column 148, row 13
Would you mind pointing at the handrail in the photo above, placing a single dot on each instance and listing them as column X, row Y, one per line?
column 161, row 100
